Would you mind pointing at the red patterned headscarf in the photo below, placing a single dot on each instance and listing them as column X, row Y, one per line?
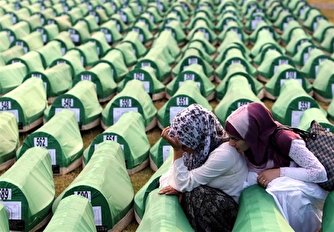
column 254, row 124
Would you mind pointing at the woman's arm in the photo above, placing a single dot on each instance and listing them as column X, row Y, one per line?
column 310, row 169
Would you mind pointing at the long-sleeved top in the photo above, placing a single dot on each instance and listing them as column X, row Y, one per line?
column 225, row 169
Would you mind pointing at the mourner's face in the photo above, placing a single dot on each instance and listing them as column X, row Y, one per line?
column 239, row 144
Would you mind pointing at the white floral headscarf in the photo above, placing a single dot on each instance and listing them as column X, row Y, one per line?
column 199, row 129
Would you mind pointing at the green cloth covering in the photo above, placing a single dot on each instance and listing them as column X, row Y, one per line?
column 89, row 52
column 238, row 70
column 303, row 53
column 322, row 29
column 148, row 20
column 81, row 219
column 72, row 58
column 13, row 52
column 258, row 212
column 120, row 25
column 27, row 101
column 6, row 21
column 91, row 22
column 202, row 26
column 201, row 16
column 129, row 132
column 225, row 19
column 32, row 60
column 199, row 46
column 200, row 37
column 163, row 213
column 9, row 136
column 271, row 61
column 283, row 18
column 81, row 99
column 311, row 67
column 80, row 32
column 253, row 20
column 65, row 38
column 290, row 27
column 328, row 42
column 133, row 38
column 61, row 136
column 31, row 42
column 194, row 73
column 101, row 42
column 20, row 14
column 231, row 40
column 5, row 41
column 166, row 40
column 63, row 22
column 30, row 182
column 324, row 83
column 49, row 32
column 193, row 56
column 311, row 20
column 111, row 195
column 264, row 37
column 285, row 72
column 298, row 36
column 233, row 55
column 74, row 14
column 188, row 93
column 159, row 153
column 153, row 183
column 109, row 29
column 129, row 53
column 238, row 93
column 232, row 26
column 180, row 13
column 116, row 60
column 56, row 79
column 11, row 76
column 160, row 59
column 328, row 211
column 261, row 27
column 101, row 13
column 315, row 114
column 148, row 76
column 48, row 13
column 102, row 75
column 266, row 48
column 145, row 34
column 177, row 30
column 50, row 52
column 4, row 225
column 35, row 21
column 127, row 15
column 291, row 103
column 18, row 30
column 154, row 11
column 129, row 100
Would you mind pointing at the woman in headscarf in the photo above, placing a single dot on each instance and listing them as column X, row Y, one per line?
column 209, row 173
column 283, row 163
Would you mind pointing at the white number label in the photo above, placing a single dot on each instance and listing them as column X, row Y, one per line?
column 40, row 142
column 13, row 209
column 36, row 75
column 188, row 76
column 67, row 102
column 145, row 64
column 86, row 77
column 138, row 76
column 5, row 105
column 86, row 194
column 291, row 75
column 125, row 103
column 304, row 105
column 165, row 152
column 5, row 194
column 192, row 61
column 239, row 104
column 236, row 62
column 182, row 101
column 110, row 138
column 281, row 62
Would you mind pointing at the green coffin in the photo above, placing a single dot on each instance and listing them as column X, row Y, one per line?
column 330, row 111
column 129, row 132
column 194, row 73
column 323, row 85
column 315, row 114
column 258, row 212
column 49, row 32
column 188, row 93
column 163, row 213
column 82, row 100
column 111, row 195
column 301, row 57
column 9, row 136
column 291, row 103
column 238, row 93
column 283, row 73
column 61, row 136
column 129, row 52
column 311, row 67
column 11, row 76
column 115, row 59
column 19, row 102
column 81, row 219
column 4, row 225
column 29, row 190
column 129, row 100
column 72, row 58
column 89, row 53
column 159, row 153
column 50, row 52
column 32, row 60
column 111, row 32
column 79, row 32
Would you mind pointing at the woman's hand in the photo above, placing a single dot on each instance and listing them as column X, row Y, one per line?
column 169, row 190
column 174, row 142
column 265, row 177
